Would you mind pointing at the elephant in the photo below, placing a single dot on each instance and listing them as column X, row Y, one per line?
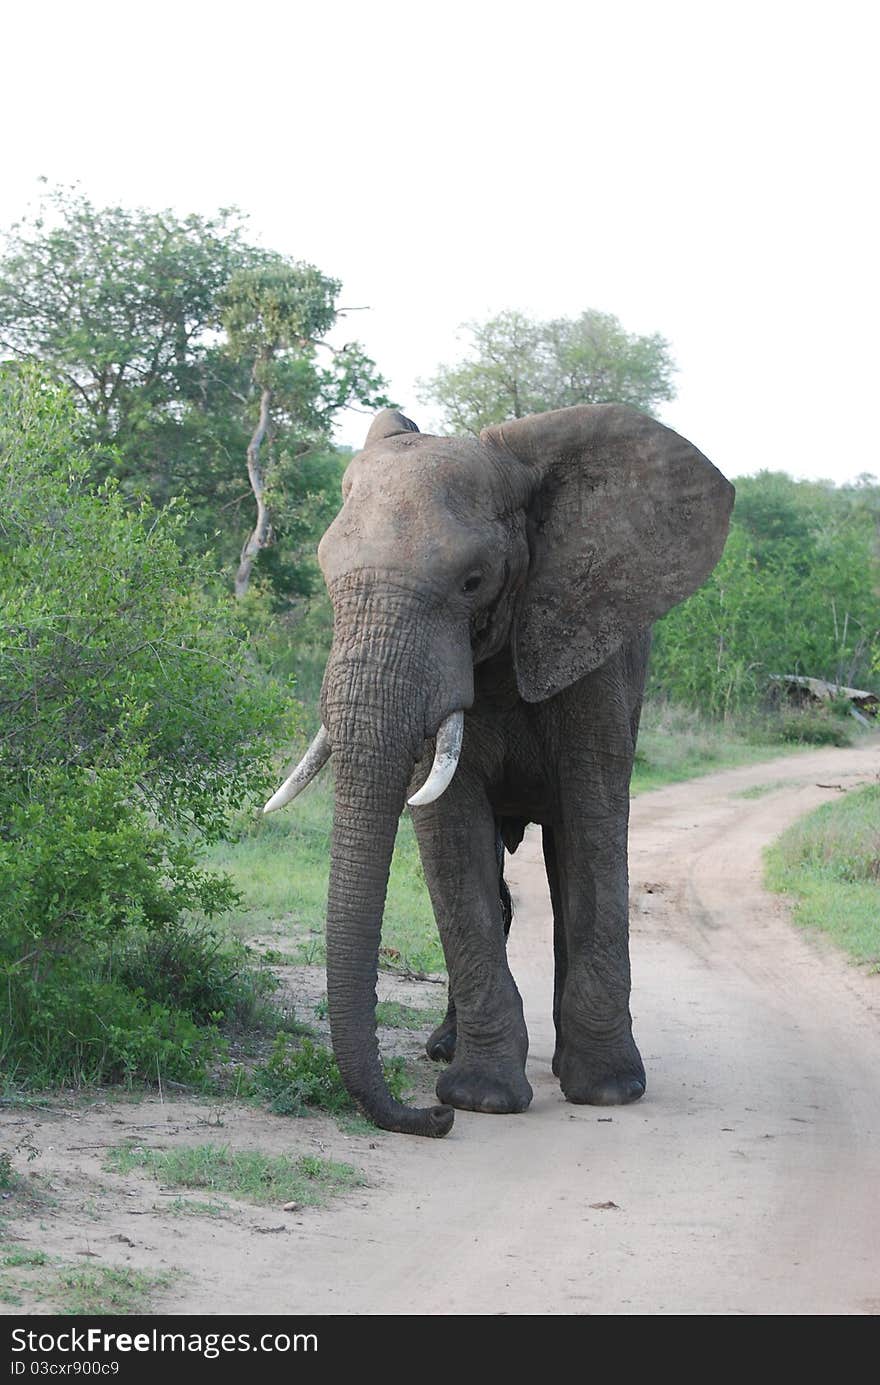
column 492, row 603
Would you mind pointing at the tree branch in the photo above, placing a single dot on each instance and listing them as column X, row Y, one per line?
column 261, row 534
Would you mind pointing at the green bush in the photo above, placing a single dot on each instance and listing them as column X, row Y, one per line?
column 810, row 727
column 111, row 641
column 74, row 1027
column 133, row 718
column 83, row 862
column 189, row 967
column 78, row 872
column 294, row 1078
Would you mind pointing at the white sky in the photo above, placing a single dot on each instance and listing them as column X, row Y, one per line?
column 705, row 170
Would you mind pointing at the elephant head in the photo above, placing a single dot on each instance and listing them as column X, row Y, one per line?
column 560, row 536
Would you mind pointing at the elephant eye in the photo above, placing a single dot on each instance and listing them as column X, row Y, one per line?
column 472, row 583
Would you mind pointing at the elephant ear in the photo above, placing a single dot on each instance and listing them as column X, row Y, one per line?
column 388, row 424
column 628, row 519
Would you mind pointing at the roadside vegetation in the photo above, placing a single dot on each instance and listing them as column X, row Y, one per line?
column 38, row 1283
column 111, row 1289
column 166, row 469
column 677, row 742
column 300, row 1075
column 830, row 863
column 265, row 1179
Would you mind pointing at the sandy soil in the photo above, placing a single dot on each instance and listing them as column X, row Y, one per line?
column 745, row 1182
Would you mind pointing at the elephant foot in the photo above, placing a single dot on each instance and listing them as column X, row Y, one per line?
column 440, row 1047
column 601, row 1079
column 499, row 1088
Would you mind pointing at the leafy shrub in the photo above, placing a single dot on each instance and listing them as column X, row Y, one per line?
column 810, row 727
column 133, row 718
column 111, row 641
column 83, row 862
column 189, row 967
column 294, row 1078
column 78, row 1027
column 78, row 872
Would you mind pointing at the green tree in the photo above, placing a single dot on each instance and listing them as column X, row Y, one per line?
column 518, row 366
column 797, row 591
column 120, row 305
column 275, row 317
column 773, row 508
column 171, row 332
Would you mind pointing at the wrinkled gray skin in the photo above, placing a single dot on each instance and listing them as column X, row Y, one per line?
column 514, row 577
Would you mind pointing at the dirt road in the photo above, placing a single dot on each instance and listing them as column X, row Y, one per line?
column 745, row 1182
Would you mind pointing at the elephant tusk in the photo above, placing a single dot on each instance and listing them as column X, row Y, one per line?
column 445, row 761
column 314, row 759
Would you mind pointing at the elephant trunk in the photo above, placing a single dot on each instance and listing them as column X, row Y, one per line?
column 374, row 753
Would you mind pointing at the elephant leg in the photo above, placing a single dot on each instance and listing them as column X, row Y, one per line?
column 441, row 1044
column 596, row 1057
column 458, row 838
column 560, row 949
